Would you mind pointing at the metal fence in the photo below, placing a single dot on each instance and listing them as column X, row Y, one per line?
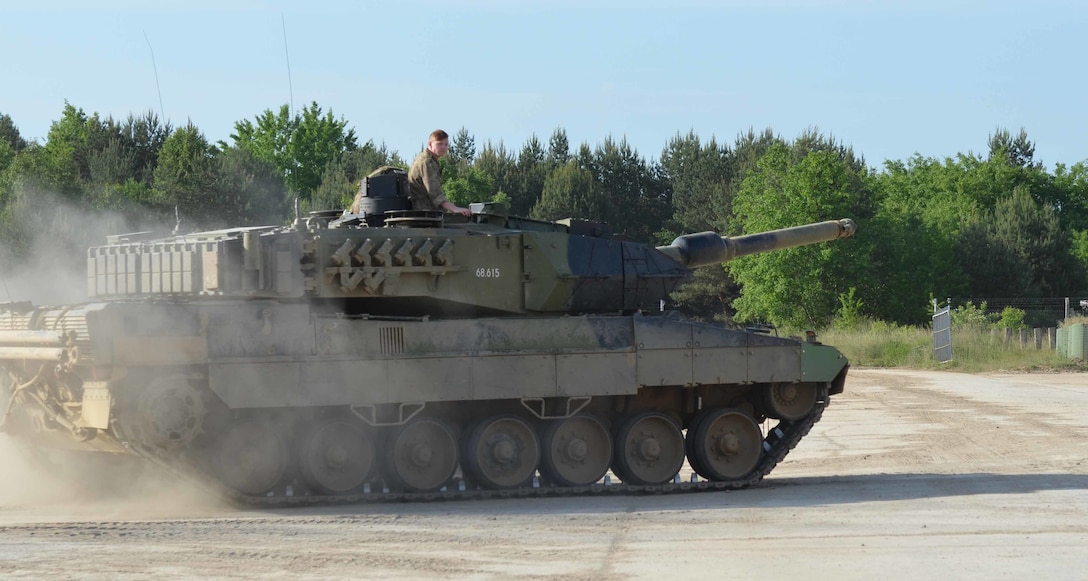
column 942, row 333
column 1039, row 312
column 1042, row 315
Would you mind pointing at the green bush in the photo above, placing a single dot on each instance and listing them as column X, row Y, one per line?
column 848, row 317
column 971, row 317
column 1012, row 318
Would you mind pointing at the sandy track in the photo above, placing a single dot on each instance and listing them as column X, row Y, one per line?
column 908, row 475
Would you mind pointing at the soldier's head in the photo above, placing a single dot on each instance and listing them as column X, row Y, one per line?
column 439, row 143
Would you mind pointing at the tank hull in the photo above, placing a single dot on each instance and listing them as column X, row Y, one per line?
column 326, row 404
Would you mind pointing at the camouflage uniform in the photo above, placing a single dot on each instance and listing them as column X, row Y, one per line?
column 425, row 182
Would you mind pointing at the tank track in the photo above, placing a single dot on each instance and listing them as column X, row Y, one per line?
column 777, row 443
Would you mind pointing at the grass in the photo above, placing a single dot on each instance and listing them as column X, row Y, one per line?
column 975, row 350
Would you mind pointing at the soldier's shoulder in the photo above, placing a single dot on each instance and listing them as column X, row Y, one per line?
column 421, row 158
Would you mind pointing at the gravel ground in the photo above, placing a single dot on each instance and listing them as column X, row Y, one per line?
column 910, row 474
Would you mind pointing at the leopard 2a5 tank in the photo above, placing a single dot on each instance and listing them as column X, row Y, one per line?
column 400, row 354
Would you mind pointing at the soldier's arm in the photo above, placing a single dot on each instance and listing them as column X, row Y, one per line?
column 432, row 179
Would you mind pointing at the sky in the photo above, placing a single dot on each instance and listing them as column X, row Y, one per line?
column 889, row 78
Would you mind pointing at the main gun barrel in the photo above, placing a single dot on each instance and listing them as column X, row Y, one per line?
column 706, row 248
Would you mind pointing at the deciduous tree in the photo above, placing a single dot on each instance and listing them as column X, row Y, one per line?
column 300, row 146
column 794, row 186
column 569, row 192
column 185, row 178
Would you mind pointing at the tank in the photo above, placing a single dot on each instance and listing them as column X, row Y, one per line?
column 403, row 355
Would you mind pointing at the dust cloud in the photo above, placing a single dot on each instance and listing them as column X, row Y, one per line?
column 45, row 262
column 22, row 484
column 73, row 487
column 44, row 259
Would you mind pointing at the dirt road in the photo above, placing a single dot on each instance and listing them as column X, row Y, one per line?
column 921, row 475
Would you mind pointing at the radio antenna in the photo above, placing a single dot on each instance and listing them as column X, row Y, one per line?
column 155, row 68
column 290, row 88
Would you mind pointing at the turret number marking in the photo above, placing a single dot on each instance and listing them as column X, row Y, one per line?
column 487, row 272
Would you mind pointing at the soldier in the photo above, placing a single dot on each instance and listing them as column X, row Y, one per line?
column 425, row 177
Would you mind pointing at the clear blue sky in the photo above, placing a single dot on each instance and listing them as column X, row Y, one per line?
column 890, row 78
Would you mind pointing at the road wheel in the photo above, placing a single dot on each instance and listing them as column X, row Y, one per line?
column 422, row 455
column 577, row 451
column 251, row 457
column 789, row 401
column 649, row 449
column 727, row 445
column 502, row 452
column 336, row 456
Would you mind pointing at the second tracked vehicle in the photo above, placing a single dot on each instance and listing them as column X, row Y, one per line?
column 394, row 353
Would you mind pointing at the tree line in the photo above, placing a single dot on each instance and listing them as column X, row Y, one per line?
column 997, row 224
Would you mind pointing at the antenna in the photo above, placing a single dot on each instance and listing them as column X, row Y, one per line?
column 155, row 68
column 290, row 89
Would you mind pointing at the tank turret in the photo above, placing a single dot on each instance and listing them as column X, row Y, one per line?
column 394, row 354
column 418, row 265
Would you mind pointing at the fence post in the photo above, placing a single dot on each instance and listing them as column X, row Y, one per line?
column 1008, row 336
column 1023, row 337
column 1052, row 338
column 1038, row 331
